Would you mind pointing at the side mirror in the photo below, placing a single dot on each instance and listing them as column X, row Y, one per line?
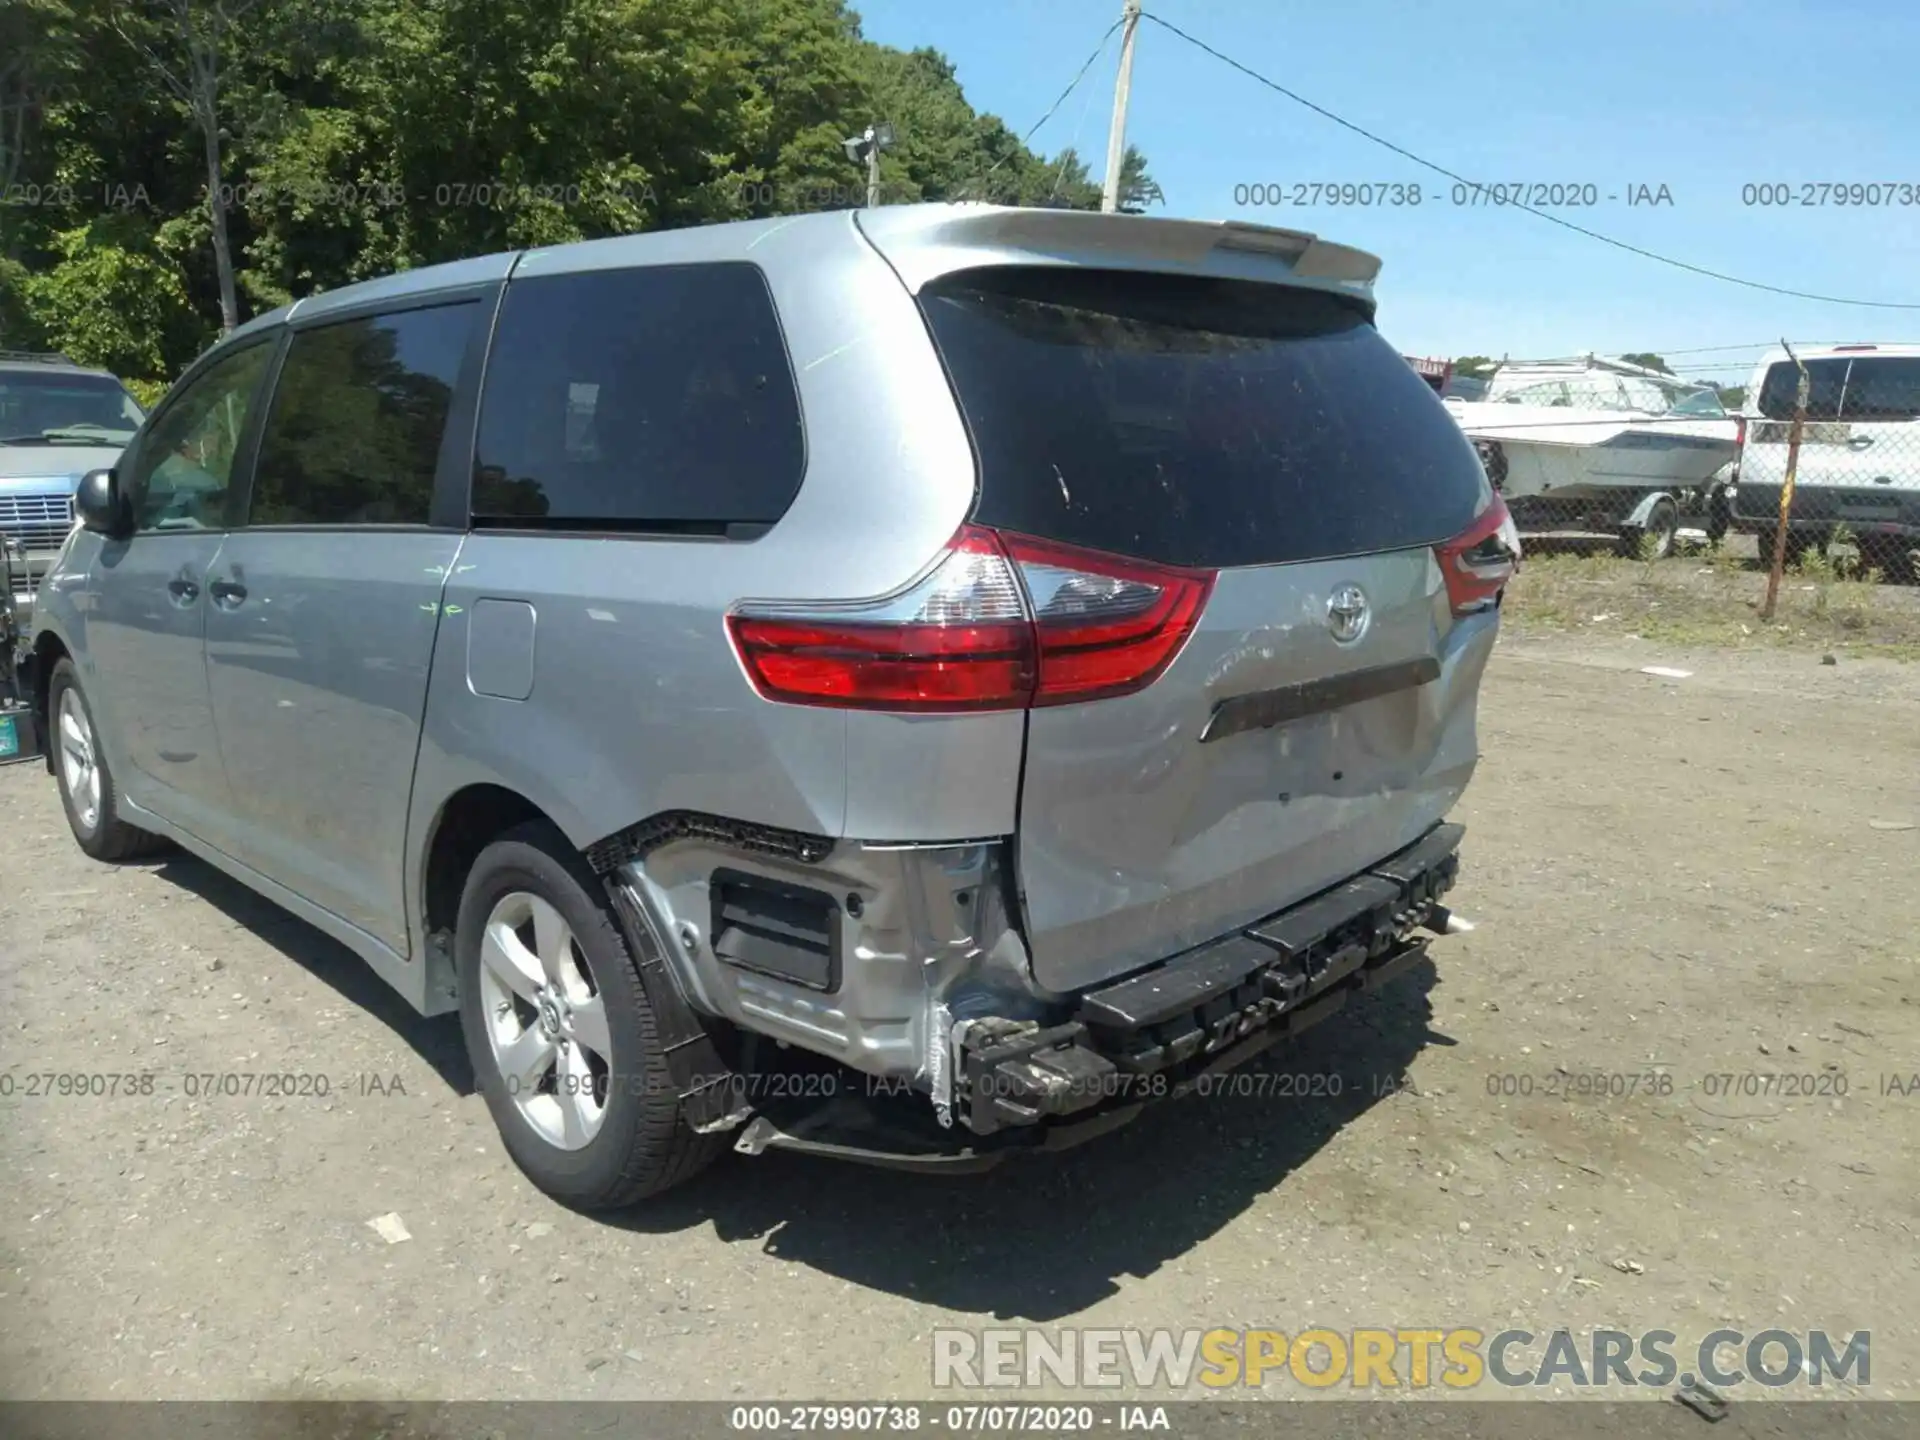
column 100, row 505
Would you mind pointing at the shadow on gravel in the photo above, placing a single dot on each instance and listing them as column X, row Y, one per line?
column 1041, row 1237
column 436, row 1041
column 1044, row 1237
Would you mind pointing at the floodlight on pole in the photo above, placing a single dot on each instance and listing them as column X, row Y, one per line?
column 867, row 146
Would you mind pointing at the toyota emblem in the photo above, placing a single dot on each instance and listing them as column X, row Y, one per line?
column 1348, row 613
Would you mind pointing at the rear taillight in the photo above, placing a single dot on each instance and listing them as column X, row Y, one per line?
column 1478, row 563
column 1001, row 622
column 1104, row 625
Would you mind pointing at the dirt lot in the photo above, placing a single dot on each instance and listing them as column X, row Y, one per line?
column 1671, row 877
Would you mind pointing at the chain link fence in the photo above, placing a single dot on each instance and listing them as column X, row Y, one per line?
column 1823, row 455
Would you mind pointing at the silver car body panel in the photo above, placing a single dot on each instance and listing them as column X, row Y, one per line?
column 317, row 678
column 933, row 943
column 1138, row 841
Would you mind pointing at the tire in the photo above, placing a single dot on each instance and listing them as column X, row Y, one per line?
column 596, row 1124
column 1653, row 539
column 87, row 791
column 1719, row 516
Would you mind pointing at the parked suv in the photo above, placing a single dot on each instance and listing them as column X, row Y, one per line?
column 58, row 420
column 1859, row 463
column 910, row 684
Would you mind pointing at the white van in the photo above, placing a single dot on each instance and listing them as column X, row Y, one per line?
column 1859, row 456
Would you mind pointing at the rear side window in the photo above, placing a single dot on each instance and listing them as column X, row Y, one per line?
column 657, row 398
column 1195, row 421
column 353, row 436
column 1847, row 387
column 1826, row 379
column 1882, row 389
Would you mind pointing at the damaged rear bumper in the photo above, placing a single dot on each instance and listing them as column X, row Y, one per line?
column 1022, row 1085
column 1212, row 1008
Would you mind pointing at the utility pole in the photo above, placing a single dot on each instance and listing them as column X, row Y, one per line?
column 867, row 147
column 1117, row 133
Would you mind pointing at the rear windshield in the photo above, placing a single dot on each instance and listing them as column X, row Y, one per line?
column 1885, row 387
column 1195, row 421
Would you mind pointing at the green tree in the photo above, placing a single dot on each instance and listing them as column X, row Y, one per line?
column 115, row 298
column 353, row 138
column 37, row 57
column 189, row 44
column 1647, row 360
column 1138, row 189
column 1475, row 367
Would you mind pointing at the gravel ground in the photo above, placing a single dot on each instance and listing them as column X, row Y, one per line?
column 1671, row 877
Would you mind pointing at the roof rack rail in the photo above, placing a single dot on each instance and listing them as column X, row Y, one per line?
column 45, row 357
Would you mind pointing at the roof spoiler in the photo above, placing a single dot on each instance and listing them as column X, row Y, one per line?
column 1312, row 257
column 925, row 241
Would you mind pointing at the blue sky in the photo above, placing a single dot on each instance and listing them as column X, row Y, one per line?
column 1702, row 96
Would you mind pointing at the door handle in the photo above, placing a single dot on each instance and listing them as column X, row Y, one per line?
column 183, row 591
column 1859, row 442
column 226, row 593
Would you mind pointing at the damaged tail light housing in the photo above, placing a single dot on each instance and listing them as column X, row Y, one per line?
column 1478, row 562
column 1000, row 622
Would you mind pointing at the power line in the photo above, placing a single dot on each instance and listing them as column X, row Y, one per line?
column 1757, row 345
column 1710, row 349
column 1439, row 169
column 1072, row 85
column 1072, row 146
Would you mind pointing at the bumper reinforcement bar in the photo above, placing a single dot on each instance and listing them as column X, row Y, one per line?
column 1214, row 1007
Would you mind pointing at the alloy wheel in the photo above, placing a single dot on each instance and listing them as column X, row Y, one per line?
column 545, row 1019
column 79, row 766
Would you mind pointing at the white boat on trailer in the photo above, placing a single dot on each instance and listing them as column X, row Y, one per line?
column 1597, row 446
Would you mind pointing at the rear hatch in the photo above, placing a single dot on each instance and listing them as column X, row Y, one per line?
column 1859, row 450
column 1262, row 460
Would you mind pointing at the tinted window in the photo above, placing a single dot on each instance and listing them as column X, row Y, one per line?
column 1825, row 380
column 179, row 478
column 32, row 404
column 1195, row 421
column 1886, row 388
column 353, row 436
column 656, row 398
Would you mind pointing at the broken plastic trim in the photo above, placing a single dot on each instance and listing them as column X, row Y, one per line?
column 1214, row 1006
column 704, row 1082
column 633, row 843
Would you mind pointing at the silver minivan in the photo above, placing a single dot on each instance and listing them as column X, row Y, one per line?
column 912, row 684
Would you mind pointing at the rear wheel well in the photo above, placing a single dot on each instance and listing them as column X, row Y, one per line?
column 469, row 822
